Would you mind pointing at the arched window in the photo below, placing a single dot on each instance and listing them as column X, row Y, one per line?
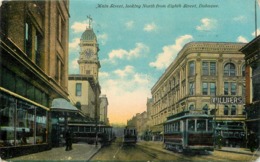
column 226, row 110
column 233, row 110
column 230, row 69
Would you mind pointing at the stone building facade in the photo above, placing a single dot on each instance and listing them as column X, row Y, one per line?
column 33, row 72
column 207, row 76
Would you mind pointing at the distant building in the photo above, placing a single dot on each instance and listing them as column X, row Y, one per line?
column 84, row 87
column 207, row 76
column 33, row 72
column 252, row 58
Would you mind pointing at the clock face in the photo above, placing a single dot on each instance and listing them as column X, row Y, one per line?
column 89, row 53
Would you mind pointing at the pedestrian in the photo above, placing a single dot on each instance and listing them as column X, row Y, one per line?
column 68, row 139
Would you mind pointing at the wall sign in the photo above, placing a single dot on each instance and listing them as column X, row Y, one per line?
column 227, row 100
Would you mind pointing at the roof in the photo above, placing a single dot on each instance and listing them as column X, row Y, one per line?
column 88, row 35
column 60, row 104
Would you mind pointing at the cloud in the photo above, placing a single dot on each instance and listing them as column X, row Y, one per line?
column 74, row 45
column 129, row 24
column 103, row 74
column 258, row 32
column 78, row 27
column 122, row 73
column 242, row 39
column 102, row 38
column 139, row 50
column 207, row 24
column 150, row 27
column 169, row 52
column 240, row 18
column 74, row 66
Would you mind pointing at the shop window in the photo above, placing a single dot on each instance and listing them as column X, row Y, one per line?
column 21, row 122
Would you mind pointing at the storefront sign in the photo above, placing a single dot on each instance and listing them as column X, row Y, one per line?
column 227, row 100
column 252, row 59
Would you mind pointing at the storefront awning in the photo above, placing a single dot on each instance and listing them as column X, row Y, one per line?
column 60, row 104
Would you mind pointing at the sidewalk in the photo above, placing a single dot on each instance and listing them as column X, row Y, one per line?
column 80, row 151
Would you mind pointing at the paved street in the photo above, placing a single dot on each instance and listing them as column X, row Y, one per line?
column 86, row 152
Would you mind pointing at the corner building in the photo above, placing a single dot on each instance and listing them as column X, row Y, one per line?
column 33, row 72
column 207, row 76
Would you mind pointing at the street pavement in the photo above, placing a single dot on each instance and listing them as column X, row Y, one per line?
column 84, row 152
column 80, row 152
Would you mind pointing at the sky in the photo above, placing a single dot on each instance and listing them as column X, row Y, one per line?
column 139, row 42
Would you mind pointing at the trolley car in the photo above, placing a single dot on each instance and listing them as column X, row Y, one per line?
column 189, row 131
column 91, row 132
column 130, row 135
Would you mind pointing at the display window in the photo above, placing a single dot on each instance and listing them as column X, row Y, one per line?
column 22, row 123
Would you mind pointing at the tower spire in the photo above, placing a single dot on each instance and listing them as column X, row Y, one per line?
column 89, row 21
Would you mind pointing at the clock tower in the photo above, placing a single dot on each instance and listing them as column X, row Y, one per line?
column 88, row 60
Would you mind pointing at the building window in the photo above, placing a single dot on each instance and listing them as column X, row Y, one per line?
column 243, row 70
column 60, row 28
column 192, row 88
column 205, row 88
column 226, row 110
column 233, row 88
column 28, row 39
column 192, row 68
column 38, row 41
column 208, row 89
column 59, row 70
column 230, row 88
column 229, row 69
column 78, row 89
column 208, row 68
column 233, row 110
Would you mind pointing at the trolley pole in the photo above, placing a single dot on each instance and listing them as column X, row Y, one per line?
column 215, row 117
column 96, row 116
